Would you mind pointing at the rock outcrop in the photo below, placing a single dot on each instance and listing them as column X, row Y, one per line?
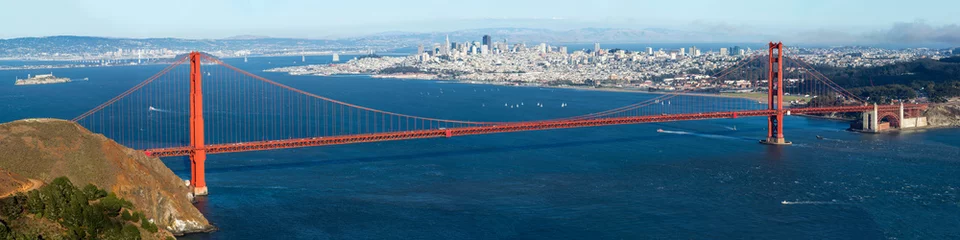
column 943, row 115
column 45, row 149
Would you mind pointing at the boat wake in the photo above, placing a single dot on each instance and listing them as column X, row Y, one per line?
column 700, row 135
column 785, row 202
column 157, row 109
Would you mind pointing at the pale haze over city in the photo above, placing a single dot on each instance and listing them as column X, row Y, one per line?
column 817, row 21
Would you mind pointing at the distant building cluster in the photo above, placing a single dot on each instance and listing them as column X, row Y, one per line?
column 503, row 62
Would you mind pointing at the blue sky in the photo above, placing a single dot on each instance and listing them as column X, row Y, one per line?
column 323, row 19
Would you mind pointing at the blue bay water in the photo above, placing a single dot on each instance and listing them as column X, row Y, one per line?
column 698, row 179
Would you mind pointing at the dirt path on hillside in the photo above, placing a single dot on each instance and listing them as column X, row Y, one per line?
column 34, row 184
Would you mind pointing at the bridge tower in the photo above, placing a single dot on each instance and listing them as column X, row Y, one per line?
column 199, row 154
column 775, row 96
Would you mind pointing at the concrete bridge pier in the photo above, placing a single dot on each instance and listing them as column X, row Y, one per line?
column 871, row 119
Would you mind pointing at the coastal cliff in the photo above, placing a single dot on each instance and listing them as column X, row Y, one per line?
column 44, row 149
column 943, row 115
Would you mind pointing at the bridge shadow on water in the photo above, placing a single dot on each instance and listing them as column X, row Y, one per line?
column 464, row 152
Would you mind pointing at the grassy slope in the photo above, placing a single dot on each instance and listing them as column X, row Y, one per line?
column 44, row 149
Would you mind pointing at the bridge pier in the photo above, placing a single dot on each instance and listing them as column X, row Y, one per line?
column 199, row 153
column 775, row 97
column 871, row 120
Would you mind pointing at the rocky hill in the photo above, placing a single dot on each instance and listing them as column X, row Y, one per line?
column 45, row 149
column 944, row 115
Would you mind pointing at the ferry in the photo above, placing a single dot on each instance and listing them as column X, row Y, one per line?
column 659, row 130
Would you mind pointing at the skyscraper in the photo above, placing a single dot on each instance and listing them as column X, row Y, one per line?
column 650, row 51
column 596, row 48
column 487, row 41
column 446, row 47
column 724, row 52
column 683, row 51
column 694, row 51
column 419, row 48
column 735, row 50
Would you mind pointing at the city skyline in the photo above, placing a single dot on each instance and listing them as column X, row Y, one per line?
column 794, row 21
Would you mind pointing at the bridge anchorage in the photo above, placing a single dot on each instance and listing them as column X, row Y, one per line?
column 186, row 110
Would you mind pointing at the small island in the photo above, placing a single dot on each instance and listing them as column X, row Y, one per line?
column 41, row 79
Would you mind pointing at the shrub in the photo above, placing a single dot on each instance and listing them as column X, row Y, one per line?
column 111, row 205
column 94, row 193
column 126, row 216
column 130, row 232
column 11, row 207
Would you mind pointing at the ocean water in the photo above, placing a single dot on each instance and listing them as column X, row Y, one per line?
column 695, row 180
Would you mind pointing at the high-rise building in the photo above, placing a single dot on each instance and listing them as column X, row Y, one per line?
column 724, row 52
column 650, row 50
column 563, row 50
column 735, row 50
column 419, row 48
column 596, row 48
column 446, row 46
column 694, row 51
column 487, row 41
column 683, row 51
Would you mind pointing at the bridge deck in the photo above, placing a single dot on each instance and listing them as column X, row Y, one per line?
column 502, row 128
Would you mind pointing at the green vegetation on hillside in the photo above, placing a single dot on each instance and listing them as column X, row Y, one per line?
column 884, row 93
column 937, row 80
column 76, row 213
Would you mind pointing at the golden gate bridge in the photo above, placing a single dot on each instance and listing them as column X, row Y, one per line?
column 232, row 110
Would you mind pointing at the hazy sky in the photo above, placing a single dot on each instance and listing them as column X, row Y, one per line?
column 322, row 19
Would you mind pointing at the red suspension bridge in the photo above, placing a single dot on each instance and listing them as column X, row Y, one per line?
column 225, row 109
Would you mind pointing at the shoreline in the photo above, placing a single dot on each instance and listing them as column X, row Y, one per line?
column 431, row 77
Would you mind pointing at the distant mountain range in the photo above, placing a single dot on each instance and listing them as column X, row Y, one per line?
column 43, row 47
column 394, row 39
column 534, row 35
